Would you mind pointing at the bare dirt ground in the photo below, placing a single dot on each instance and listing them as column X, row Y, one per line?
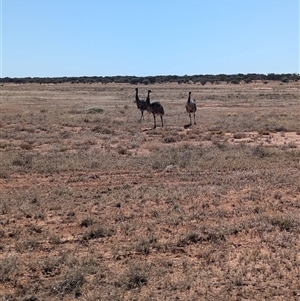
column 97, row 205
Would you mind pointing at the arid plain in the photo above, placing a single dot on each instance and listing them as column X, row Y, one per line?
column 97, row 205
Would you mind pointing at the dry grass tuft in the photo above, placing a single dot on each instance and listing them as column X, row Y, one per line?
column 239, row 135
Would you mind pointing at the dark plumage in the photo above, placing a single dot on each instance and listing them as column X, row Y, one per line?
column 191, row 107
column 155, row 108
column 141, row 104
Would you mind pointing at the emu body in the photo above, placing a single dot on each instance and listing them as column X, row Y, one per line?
column 191, row 107
column 156, row 109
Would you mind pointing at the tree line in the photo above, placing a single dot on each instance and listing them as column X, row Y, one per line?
column 145, row 80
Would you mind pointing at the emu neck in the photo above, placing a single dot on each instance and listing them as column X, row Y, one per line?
column 189, row 99
column 137, row 97
column 148, row 99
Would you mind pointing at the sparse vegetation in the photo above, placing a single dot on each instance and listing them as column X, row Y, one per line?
column 96, row 205
column 148, row 80
column 94, row 111
column 239, row 135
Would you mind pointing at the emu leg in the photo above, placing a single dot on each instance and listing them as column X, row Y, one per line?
column 154, row 121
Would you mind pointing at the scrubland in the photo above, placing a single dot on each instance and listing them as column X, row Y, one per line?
column 96, row 205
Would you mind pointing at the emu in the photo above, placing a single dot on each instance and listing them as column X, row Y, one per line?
column 141, row 104
column 156, row 109
column 191, row 107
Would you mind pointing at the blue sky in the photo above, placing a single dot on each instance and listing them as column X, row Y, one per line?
column 148, row 37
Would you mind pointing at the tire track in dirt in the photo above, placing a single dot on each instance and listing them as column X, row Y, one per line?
column 101, row 179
